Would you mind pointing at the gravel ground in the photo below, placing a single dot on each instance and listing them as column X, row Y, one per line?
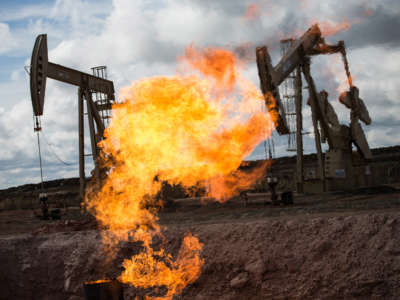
column 333, row 246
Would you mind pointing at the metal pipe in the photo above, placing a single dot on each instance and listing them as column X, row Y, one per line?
column 82, row 179
column 315, row 109
column 299, row 134
column 103, row 289
column 40, row 162
column 93, row 134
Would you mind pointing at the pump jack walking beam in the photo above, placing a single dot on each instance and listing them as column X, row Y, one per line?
column 41, row 68
column 339, row 138
column 271, row 77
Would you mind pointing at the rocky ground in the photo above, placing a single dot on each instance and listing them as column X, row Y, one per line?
column 335, row 246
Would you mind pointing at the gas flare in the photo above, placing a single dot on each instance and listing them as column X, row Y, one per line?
column 253, row 11
column 192, row 129
column 329, row 27
column 146, row 271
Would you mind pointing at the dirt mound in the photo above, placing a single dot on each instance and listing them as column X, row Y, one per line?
column 353, row 257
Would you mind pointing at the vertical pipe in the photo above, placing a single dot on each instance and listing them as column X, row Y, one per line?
column 299, row 135
column 82, row 179
column 40, row 162
column 314, row 112
column 92, row 135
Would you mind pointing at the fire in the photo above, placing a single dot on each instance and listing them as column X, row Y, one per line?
column 261, row 8
column 219, row 64
column 191, row 129
column 146, row 271
column 329, row 27
column 98, row 281
column 253, row 12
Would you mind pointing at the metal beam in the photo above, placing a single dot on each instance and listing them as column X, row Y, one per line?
column 271, row 77
column 93, row 139
column 41, row 68
column 82, row 179
column 81, row 79
column 299, row 132
column 96, row 115
column 269, row 88
column 301, row 47
column 315, row 112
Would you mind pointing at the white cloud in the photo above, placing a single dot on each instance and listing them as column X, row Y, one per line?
column 137, row 39
column 8, row 43
column 383, row 136
column 21, row 13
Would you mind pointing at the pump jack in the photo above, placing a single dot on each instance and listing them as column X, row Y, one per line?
column 40, row 69
column 339, row 137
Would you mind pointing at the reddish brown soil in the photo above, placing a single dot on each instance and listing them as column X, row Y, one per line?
column 336, row 246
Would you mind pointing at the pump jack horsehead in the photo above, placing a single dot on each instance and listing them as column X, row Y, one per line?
column 88, row 84
column 339, row 137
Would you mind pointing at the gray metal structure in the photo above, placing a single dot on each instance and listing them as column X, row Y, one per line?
column 289, row 94
column 338, row 159
column 96, row 90
column 291, row 90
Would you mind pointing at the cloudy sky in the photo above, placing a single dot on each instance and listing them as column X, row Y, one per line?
column 143, row 38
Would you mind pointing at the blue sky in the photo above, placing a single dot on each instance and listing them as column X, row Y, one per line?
column 142, row 38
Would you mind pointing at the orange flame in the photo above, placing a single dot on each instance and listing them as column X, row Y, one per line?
column 186, row 129
column 146, row 271
column 259, row 9
column 329, row 27
column 218, row 64
column 98, row 281
column 253, row 12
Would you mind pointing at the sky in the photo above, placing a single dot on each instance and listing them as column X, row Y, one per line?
column 143, row 38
